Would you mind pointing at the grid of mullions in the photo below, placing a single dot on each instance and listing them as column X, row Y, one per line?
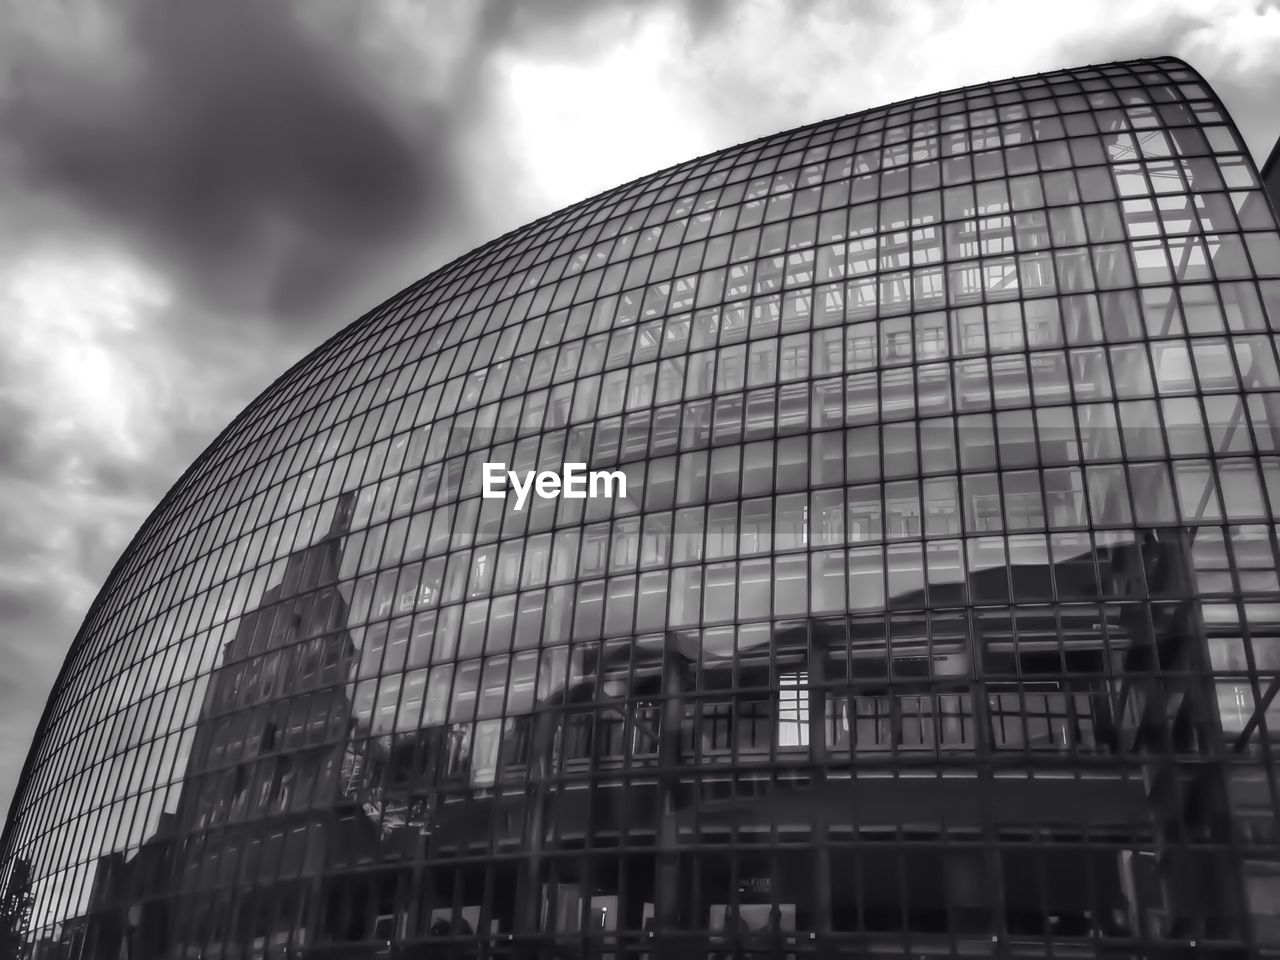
column 857, row 366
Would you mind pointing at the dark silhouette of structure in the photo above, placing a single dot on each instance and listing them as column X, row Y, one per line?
column 15, row 908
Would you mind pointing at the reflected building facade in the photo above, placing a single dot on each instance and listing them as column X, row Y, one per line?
column 941, row 614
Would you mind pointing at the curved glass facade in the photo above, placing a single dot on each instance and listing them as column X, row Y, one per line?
column 940, row 615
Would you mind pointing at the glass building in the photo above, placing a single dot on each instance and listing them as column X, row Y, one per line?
column 940, row 616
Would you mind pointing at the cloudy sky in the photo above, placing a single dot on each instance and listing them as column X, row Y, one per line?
column 194, row 194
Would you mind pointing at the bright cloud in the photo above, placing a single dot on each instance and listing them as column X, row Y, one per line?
column 583, row 127
column 87, row 349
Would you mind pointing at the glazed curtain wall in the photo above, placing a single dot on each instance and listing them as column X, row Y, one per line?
column 942, row 608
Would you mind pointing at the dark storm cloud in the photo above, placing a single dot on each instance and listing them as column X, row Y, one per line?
column 20, row 604
column 259, row 159
column 16, row 452
column 248, row 155
column 32, row 643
